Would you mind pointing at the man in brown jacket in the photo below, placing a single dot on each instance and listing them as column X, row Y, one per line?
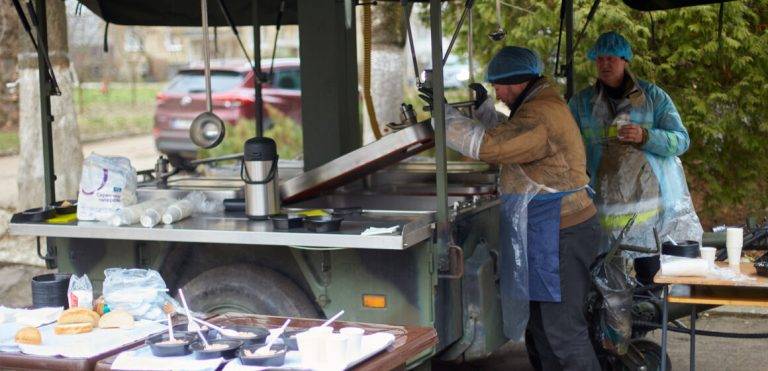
column 547, row 215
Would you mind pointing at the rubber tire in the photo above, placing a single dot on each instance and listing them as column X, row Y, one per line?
column 246, row 288
column 651, row 353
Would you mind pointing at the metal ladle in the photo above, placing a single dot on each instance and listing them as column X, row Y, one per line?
column 207, row 129
column 499, row 34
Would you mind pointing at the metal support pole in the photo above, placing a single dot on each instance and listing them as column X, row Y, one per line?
column 664, row 321
column 693, row 337
column 568, row 4
column 438, row 116
column 46, row 119
column 258, row 105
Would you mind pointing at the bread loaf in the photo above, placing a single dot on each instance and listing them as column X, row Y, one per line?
column 79, row 315
column 116, row 319
column 28, row 335
column 72, row 328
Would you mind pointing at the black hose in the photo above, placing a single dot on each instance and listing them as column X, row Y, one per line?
column 721, row 334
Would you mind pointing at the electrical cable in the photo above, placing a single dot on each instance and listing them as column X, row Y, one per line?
column 277, row 33
column 370, row 109
column 54, row 85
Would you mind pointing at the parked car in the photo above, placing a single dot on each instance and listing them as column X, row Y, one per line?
column 232, row 92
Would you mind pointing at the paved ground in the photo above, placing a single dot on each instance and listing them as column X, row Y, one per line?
column 711, row 353
column 140, row 149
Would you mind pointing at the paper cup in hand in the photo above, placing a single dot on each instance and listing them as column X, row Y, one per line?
column 734, row 240
column 354, row 340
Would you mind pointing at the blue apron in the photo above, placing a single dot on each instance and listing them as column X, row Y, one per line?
column 530, row 255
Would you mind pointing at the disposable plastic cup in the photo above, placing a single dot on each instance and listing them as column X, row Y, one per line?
column 354, row 340
column 321, row 329
column 336, row 350
column 312, row 348
column 708, row 254
column 734, row 240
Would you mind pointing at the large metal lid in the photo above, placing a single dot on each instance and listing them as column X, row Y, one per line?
column 359, row 163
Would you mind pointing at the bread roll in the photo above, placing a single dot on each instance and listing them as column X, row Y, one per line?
column 79, row 315
column 72, row 328
column 28, row 335
column 116, row 319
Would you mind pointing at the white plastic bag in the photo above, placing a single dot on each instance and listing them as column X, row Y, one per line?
column 140, row 292
column 80, row 292
column 107, row 185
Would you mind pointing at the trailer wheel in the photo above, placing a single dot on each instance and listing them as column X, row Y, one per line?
column 651, row 353
column 247, row 288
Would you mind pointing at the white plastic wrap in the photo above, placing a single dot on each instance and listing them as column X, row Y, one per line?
column 140, row 292
column 107, row 185
column 487, row 115
column 679, row 266
column 177, row 211
column 132, row 214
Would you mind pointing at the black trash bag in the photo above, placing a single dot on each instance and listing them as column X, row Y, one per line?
column 614, row 305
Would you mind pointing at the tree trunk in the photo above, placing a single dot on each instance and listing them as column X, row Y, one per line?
column 68, row 156
column 387, row 65
column 9, row 48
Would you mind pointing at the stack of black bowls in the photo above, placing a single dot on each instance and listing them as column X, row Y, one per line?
column 646, row 267
column 50, row 290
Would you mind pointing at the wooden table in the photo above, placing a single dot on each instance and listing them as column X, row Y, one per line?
column 710, row 291
column 410, row 343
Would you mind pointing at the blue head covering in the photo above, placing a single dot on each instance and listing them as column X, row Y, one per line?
column 513, row 65
column 611, row 43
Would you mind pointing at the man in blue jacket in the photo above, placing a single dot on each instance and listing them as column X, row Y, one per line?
column 633, row 135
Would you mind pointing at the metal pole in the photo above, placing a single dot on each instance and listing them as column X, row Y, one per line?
column 568, row 4
column 438, row 115
column 206, row 55
column 46, row 119
column 693, row 338
column 258, row 105
column 664, row 321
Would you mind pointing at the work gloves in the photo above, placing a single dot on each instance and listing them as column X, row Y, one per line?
column 480, row 93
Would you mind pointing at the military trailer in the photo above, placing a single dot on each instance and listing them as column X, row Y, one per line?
column 439, row 269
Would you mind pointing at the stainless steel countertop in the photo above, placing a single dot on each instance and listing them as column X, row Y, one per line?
column 236, row 229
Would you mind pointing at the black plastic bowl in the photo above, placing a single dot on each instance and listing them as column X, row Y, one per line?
column 285, row 221
column 39, row 214
column 273, row 360
column 170, row 350
column 182, row 329
column 227, row 353
column 259, row 337
column 322, row 224
column 289, row 339
column 686, row 249
column 62, row 210
column 645, row 268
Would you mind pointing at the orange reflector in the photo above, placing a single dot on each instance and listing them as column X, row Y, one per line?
column 374, row 301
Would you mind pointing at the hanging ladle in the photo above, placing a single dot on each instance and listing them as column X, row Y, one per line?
column 207, row 129
column 499, row 34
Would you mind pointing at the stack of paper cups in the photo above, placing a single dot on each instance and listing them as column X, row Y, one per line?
column 734, row 240
column 177, row 211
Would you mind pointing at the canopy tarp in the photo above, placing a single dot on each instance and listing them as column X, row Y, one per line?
column 187, row 12
column 648, row 5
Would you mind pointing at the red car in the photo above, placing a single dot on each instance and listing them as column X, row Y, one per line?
column 233, row 100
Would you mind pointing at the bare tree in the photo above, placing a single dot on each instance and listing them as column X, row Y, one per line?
column 66, row 138
column 388, row 63
column 9, row 48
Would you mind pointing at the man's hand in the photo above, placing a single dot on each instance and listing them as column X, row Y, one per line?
column 632, row 133
column 480, row 93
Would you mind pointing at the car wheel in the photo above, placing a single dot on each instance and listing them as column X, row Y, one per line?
column 246, row 288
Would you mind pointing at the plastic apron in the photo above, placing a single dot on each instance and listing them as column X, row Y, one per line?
column 530, row 251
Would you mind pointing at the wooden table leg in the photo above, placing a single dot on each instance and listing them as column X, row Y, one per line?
column 664, row 321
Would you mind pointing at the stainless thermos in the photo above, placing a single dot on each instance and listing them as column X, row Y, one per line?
column 259, row 172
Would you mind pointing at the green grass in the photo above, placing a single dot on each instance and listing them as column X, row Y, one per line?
column 9, row 142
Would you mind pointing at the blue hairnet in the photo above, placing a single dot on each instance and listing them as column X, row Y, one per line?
column 511, row 62
column 611, row 43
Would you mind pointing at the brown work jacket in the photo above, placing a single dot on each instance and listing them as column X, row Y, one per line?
column 542, row 137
